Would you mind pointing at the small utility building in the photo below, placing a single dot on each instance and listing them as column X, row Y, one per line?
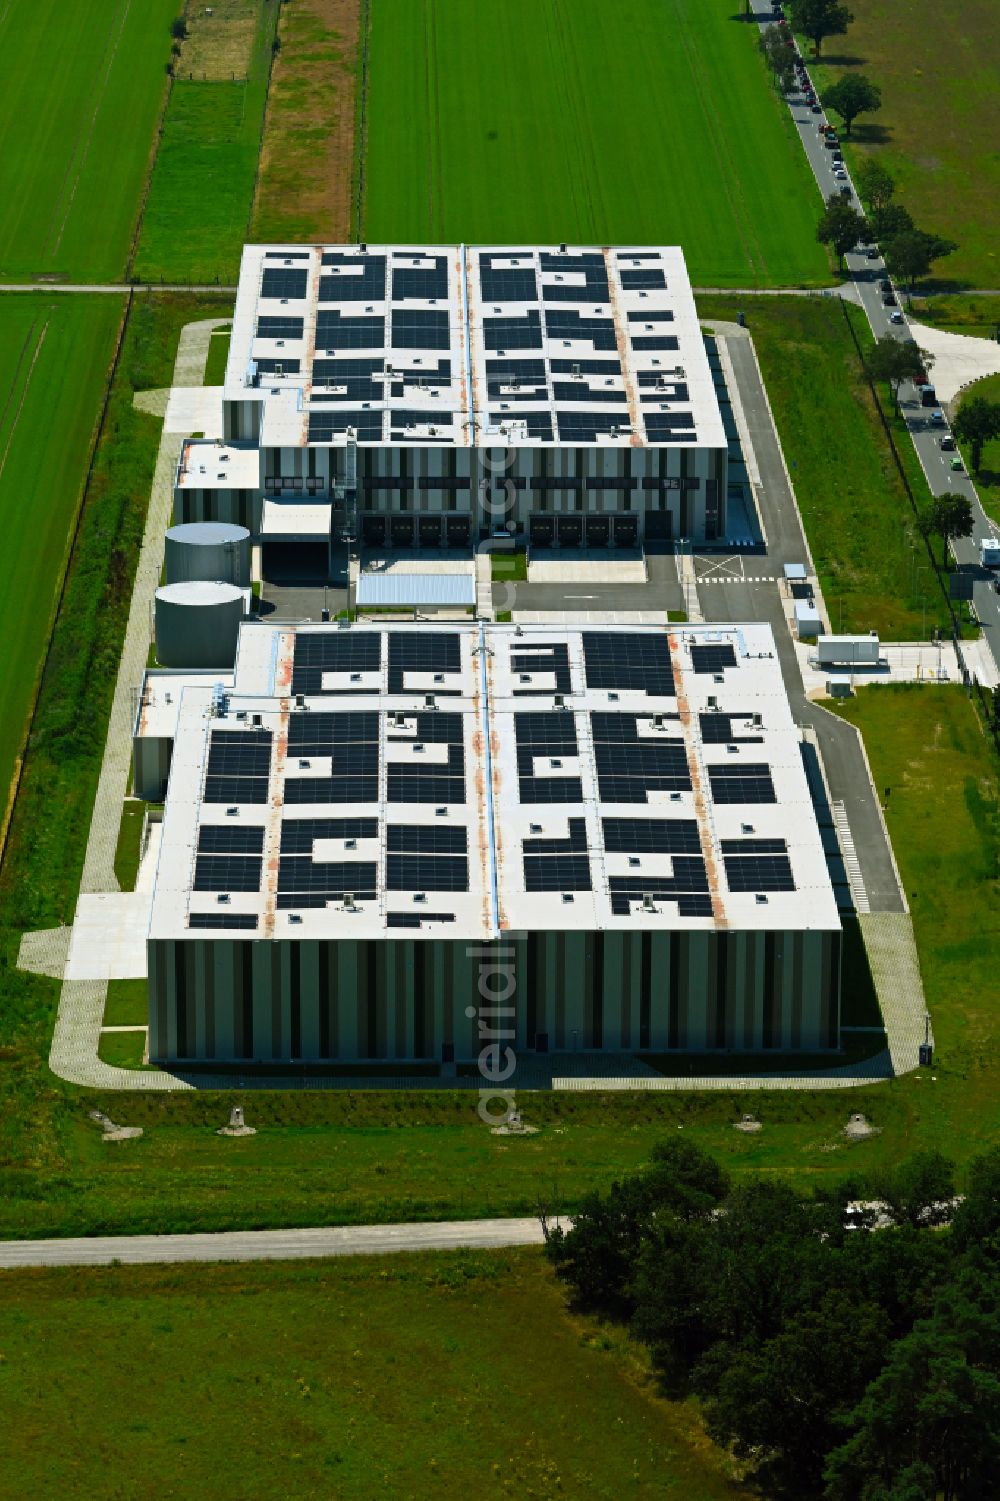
column 365, row 811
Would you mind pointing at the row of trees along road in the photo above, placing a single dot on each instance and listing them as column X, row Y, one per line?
column 909, row 252
column 851, row 1353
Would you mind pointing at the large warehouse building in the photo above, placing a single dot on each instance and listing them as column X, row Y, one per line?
column 425, row 396
column 620, row 814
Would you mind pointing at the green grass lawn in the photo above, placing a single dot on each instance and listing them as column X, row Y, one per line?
column 420, row 1375
column 129, row 840
column 55, row 358
column 218, row 354
column 959, row 313
column 854, row 506
column 939, row 124
column 550, row 120
column 126, row 1003
column 201, row 191
column 506, row 567
column 987, row 481
column 927, row 746
column 83, row 87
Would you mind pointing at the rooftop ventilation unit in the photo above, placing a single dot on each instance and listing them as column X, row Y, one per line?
column 761, row 898
column 758, row 720
column 223, row 897
column 559, row 701
column 440, row 812
column 350, row 844
column 420, row 896
column 232, row 812
column 257, row 720
column 349, row 901
column 300, row 700
column 295, row 917
column 713, row 702
column 429, row 701
column 659, row 720
column 648, row 905
column 746, row 828
column 399, row 720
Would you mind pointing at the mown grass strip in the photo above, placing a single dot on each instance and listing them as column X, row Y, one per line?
column 201, row 191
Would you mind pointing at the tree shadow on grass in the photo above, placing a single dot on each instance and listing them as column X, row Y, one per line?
column 870, row 134
column 838, row 60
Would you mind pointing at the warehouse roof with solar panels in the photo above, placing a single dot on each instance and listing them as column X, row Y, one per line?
column 472, row 346
column 463, row 780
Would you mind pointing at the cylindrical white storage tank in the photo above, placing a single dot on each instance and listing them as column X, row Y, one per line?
column 208, row 550
column 197, row 623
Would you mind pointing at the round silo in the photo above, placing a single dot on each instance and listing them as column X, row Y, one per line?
column 208, row 550
column 197, row 623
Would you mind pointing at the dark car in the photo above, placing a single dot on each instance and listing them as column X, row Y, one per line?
column 873, row 252
column 921, row 378
column 889, row 299
column 816, row 108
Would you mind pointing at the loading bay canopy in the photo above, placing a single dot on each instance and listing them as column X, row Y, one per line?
column 438, row 590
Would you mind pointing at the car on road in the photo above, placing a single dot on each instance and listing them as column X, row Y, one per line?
column 840, row 175
column 956, row 464
column 895, row 316
column 921, row 378
column 845, row 191
column 946, row 442
column 817, row 109
column 937, row 417
column 873, row 253
column 888, row 299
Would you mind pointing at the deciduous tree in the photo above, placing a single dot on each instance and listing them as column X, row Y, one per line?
column 977, row 422
column 850, row 96
column 818, row 19
column 841, row 226
column 910, row 253
column 947, row 516
column 894, row 361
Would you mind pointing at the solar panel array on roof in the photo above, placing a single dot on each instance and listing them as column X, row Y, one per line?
column 629, row 768
column 354, row 375
column 242, row 921
column 688, row 887
column 742, row 782
column 514, row 333
column 428, row 282
column 416, row 919
column 228, row 859
column 324, row 425
column 637, row 281
column 239, row 763
column 362, row 280
column 569, row 323
column 319, row 652
column 279, row 328
column 583, row 426
column 282, row 281
column 298, row 835
column 420, row 328
column 546, row 658
column 426, row 652
column 628, row 660
column 759, row 873
column 506, row 284
column 713, row 658
column 595, row 279
column 350, row 740
column 335, row 331
column 313, row 883
column 655, row 341
column 548, row 737
column 552, row 864
column 717, row 729
column 433, row 780
column 575, row 841
column 669, row 427
column 651, row 836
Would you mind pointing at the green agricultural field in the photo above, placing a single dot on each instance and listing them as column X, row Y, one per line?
column 937, row 130
column 856, row 513
column 83, row 86
column 55, row 357
column 550, row 120
column 201, row 191
column 414, row 1375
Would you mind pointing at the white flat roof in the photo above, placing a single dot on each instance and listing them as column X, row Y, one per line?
column 474, row 346
column 463, row 780
column 215, row 465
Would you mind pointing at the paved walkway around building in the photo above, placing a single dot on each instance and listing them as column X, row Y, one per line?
column 73, row 1055
column 272, row 1245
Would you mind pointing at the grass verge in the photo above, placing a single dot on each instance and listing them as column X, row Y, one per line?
column 854, row 505
column 647, row 121
column 127, row 852
column 200, row 194
column 126, row 1003
column 218, row 354
column 506, row 567
column 967, row 314
column 388, row 1381
column 939, row 123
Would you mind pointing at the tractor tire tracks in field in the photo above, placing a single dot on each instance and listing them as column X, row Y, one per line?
column 24, row 391
column 82, row 148
column 728, row 175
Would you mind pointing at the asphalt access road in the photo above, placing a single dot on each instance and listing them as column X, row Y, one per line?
column 272, row 1245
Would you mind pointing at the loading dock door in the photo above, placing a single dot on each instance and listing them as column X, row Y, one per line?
column 541, row 531
column 626, row 531
column 295, row 562
column 569, row 530
column 401, row 531
column 373, row 530
column 598, row 530
column 659, row 526
column 459, row 531
column 429, row 531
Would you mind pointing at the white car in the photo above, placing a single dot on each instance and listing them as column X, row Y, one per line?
column 840, row 175
column 895, row 316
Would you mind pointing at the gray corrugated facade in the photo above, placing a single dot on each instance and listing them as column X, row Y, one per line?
column 244, row 1000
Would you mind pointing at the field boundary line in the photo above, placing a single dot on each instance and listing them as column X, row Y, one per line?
column 24, row 396
column 361, row 118
column 154, row 151
column 267, row 101
column 17, row 372
column 67, row 562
